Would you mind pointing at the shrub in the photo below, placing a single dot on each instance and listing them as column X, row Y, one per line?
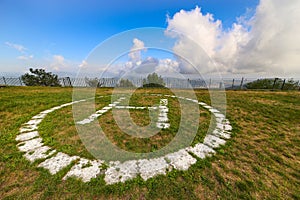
column 39, row 77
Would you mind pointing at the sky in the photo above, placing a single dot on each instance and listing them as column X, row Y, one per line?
column 238, row 36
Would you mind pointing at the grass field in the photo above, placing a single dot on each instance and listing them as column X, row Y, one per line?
column 261, row 161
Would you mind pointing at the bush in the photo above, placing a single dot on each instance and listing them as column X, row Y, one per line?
column 39, row 77
column 273, row 84
column 125, row 83
column 153, row 80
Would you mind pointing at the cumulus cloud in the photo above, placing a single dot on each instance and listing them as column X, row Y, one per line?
column 83, row 64
column 267, row 42
column 135, row 54
column 58, row 62
column 167, row 66
column 18, row 47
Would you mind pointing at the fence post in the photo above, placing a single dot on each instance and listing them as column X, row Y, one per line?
column 275, row 80
column 4, row 81
column 232, row 83
column 242, row 82
column 20, row 81
column 282, row 87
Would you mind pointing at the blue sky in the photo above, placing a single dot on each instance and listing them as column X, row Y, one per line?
column 34, row 32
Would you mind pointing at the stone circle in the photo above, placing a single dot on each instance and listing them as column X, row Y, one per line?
column 115, row 171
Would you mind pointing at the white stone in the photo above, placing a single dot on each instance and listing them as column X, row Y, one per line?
column 219, row 115
column 28, row 128
column 27, row 136
column 34, row 122
column 85, row 170
column 201, row 150
column 39, row 153
column 214, row 110
column 30, row 145
column 227, row 127
column 181, row 159
column 213, row 141
column 208, row 107
column 152, row 167
column 202, row 104
column 101, row 111
column 39, row 116
column 162, row 125
column 221, row 134
column 58, row 162
column 121, row 172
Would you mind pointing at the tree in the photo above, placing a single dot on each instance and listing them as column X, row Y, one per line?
column 153, row 80
column 39, row 77
column 93, row 82
column 125, row 83
column 273, row 84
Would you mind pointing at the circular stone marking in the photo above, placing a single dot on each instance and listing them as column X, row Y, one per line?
column 115, row 171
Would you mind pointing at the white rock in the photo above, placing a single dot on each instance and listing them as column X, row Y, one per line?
column 162, row 125
column 202, row 104
column 58, row 162
column 39, row 153
column 85, row 170
column 213, row 141
column 181, row 159
column 28, row 128
column 219, row 115
column 213, row 110
column 152, row 167
column 201, row 150
column 39, row 116
column 121, row 172
column 27, row 136
column 30, row 145
column 208, row 107
column 33, row 122
column 221, row 134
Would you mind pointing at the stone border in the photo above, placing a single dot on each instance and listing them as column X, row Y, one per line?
column 115, row 171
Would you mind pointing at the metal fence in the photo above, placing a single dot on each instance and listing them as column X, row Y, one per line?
column 11, row 81
column 236, row 83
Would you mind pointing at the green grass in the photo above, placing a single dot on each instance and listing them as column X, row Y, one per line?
column 261, row 161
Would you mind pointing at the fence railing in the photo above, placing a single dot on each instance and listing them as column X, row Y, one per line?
column 234, row 83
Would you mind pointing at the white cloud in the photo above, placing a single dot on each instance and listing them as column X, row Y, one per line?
column 167, row 66
column 136, row 51
column 268, row 42
column 24, row 57
column 83, row 64
column 58, row 62
column 18, row 47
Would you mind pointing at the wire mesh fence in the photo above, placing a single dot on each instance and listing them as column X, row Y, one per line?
column 234, row 83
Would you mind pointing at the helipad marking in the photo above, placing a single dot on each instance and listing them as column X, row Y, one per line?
column 31, row 143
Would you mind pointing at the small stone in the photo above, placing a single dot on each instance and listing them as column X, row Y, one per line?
column 181, row 159
column 85, row 170
column 39, row 153
column 201, row 150
column 121, row 172
column 58, row 162
column 27, row 136
column 152, row 167
column 30, row 145
column 213, row 141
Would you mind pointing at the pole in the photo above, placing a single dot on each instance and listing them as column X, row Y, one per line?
column 282, row 87
column 275, row 80
column 4, row 81
column 232, row 83
column 242, row 81
column 20, row 81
